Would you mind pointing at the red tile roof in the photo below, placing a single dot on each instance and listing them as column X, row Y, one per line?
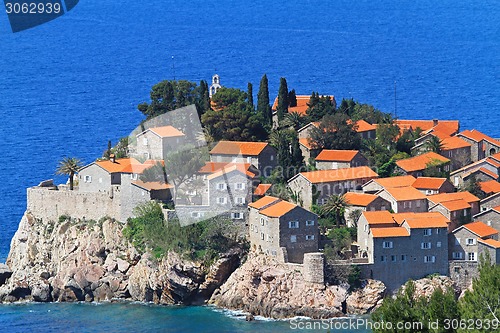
column 166, row 131
column 262, row 189
column 337, row 155
column 490, row 242
column 455, row 205
column 405, row 193
column 480, row 229
column 489, row 173
column 434, row 218
column 420, row 162
column 454, row 142
column 152, row 186
column 119, row 165
column 442, row 125
column 359, row 199
column 263, row 202
column 327, row 176
column 211, row 167
column 305, row 143
column 442, row 197
column 491, row 186
column 301, row 107
column 238, row 148
column 389, row 232
column 278, row 209
column 478, row 136
column 379, row 218
column 363, row 126
column 241, row 167
column 424, row 183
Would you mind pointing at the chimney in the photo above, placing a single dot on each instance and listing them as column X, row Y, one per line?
column 112, row 158
column 435, row 122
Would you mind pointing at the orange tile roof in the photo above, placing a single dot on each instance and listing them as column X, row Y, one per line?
column 389, row 232
column 383, row 217
column 442, row 197
column 263, row 202
column 305, row 143
column 136, row 168
column 238, row 148
column 455, row 205
column 301, row 107
column 118, row 166
column 478, row 136
column 491, row 186
column 429, row 183
column 491, row 242
column 278, row 209
column 262, row 189
column 166, row 131
column 359, row 199
column 211, row 167
column 434, row 218
column 405, row 193
column 480, row 229
column 337, row 155
column 327, row 176
column 423, row 223
column 420, row 162
column 493, row 162
column 489, row 173
column 363, row 126
column 241, row 167
column 399, row 181
column 454, row 142
column 152, row 186
column 425, row 125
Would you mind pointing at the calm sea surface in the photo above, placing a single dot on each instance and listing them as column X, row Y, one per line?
column 69, row 86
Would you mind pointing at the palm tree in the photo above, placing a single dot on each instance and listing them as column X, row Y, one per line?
column 69, row 166
column 335, row 205
column 434, row 144
column 293, row 119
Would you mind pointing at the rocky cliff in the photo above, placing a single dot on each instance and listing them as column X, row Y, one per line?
column 264, row 287
column 72, row 260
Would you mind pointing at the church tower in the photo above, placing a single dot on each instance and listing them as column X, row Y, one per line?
column 215, row 85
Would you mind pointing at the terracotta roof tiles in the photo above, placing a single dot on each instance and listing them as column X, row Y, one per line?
column 389, row 232
column 238, row 148
column 326, row 176
column 491, row 186
column 359, row 199
column 420, row 162
column 337, row 155
column 454, row 142
column 278, row 209
column 430, row 183
column 405, row 193
column 263, row 202
column 490, row 242
column 166, row 131
column 480, row 229
column 261, row 189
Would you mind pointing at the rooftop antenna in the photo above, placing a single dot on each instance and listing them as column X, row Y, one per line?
column 173, row 66
column 395, row 102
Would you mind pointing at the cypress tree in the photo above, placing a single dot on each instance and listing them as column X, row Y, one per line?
column 263, row 106
column 250, row 94
column 282, row 100
column 292, row 98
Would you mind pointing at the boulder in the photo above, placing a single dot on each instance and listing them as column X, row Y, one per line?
column 5, row 273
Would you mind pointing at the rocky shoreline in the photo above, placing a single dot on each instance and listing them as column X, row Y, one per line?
column 72, row 260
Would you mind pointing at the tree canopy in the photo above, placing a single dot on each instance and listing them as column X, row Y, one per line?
column 335, row 132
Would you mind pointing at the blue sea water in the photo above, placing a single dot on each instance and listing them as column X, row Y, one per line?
column 69, row 86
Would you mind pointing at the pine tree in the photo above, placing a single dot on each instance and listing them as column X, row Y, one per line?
column 263, row 107
column 250, row 94
column 282, row 100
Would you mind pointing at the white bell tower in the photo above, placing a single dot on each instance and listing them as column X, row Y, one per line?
column 215, row 85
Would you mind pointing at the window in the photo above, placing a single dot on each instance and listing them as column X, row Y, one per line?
column 293, row 224
column 272, row 157
column 268, row 238
column 309, row 223
column 438, row 244
column 249, row 160
column 427, row 232
column 195, row 214
column 145, row 141
column 383, row 258
column 470, row 241
column 457, row 255
column 428, row 192
column 425, row 245
column 87, row 179
column 262, row 221
column 428, row 259
column 240, row 200
column 403, row 257
column 387, row 245
column 309, row 237
column 293, row 238
column 240, row 186
column 437, row 231
column 471, row 256
column 456, row 181
column 465, row 212
column 273, row 252
column 366, row 227
column 262, row 235
column 100, row 180
column 133, row 176
column 456, row 269
column 418, row 203
column 221, row 186
column 237, row 215
column 393, row 258
column 221, row 200
column 251, row 227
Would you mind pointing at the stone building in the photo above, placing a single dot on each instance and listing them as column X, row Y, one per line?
column 483, row 170
column 404, row 199
column 431, row 185
column 363, row 202
column 416, row 165
column 490, row 187
column 260, row 154
column 308, row 151
column 158, row 142
column 481, row 145
column 375, row 185
column 339, row 159
column 463, row 241
column 315, row 187
column 99, row 176
column 459, row 207
column 300, row 108
column 491, row 217
column 457, row 150
column 282, row 230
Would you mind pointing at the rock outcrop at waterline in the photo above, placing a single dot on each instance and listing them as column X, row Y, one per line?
column 264, row 287
column 92, row 261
